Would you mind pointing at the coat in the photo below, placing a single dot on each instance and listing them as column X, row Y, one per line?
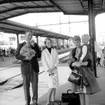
column 50, row 60
column 25, row 64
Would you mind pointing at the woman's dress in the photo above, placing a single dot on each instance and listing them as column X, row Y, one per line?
column 89, row 82
column 50, row 60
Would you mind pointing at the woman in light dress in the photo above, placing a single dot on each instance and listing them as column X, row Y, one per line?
column 50, row 62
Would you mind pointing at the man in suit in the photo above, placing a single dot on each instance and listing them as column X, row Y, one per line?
column 29, row 69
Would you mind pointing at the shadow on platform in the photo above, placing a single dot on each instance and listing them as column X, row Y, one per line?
column 61, row 89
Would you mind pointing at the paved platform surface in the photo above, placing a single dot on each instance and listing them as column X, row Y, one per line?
column 8, row 62
column 16, row 96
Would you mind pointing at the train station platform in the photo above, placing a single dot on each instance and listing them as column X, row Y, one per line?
column 16, row 96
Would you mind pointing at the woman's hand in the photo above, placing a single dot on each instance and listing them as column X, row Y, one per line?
column 77, row 64
column 52, row 69
column 84, row 63
column 28, row 58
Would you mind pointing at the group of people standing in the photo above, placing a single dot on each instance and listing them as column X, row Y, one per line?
column 101, row 58
column 28, row 52
column 80, row 61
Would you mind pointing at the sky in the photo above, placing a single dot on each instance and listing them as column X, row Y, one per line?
column 78, row 24
column 40, row 19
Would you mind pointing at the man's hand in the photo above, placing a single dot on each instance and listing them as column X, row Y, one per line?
column 28, row 58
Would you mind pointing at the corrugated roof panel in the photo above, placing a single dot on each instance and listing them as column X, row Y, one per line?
column 18, row 4
column 1, row 17
column 30, row 3
column 16, row 11
column 2, row 8
column 40, row 2
column 66, row 6
column 5, row 15
column 5, row 4
column 19, row 10
column 10, row 5
column 48, row 2
column 37, row 9
column 69, row 4
column 12, row 27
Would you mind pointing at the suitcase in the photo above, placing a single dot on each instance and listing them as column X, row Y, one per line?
column 70, row 98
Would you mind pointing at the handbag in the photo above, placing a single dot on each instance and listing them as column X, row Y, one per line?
column 71, row 98
column 75, row 77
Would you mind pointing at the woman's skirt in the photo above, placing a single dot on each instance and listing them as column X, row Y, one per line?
column 52, row 80
column 93, row 86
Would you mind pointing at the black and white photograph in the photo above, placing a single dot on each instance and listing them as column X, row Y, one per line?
column 52, row 52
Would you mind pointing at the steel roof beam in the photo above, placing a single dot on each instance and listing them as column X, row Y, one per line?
column 82, row 4
column 25, row 7
column 11, row 30
column 50, row 34
column 70, row 13
column 26, row 13
column 14, row 16
column 52, row 1
column 13, row 1
column 15, row 25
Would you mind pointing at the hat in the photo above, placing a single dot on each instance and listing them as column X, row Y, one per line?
column 76, row 38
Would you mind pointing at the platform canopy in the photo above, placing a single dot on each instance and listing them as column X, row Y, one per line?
column 13, row 8
column 18, row 28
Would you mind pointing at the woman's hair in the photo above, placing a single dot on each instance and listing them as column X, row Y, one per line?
column 47, row 39
column 76, row 38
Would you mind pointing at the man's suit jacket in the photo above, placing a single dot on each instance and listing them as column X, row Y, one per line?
column 25, row 64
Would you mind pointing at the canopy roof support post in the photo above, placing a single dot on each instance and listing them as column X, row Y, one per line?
column 67, row 42
column 63, row 42
column 92, row 33
column 17, row 39
column 57, row 43
column 37, row 41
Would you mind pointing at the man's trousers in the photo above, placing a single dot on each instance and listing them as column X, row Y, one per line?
column 33, row 78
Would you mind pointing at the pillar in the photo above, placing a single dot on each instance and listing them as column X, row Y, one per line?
column 63, row 43
column 92, row 33
column 17, row 39
column 57, row 43
column 37, row 41
column 67, row 42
